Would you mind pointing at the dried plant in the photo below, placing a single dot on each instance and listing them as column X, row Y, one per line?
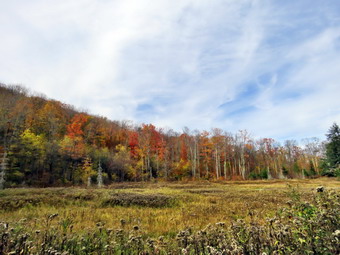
column 301, row 227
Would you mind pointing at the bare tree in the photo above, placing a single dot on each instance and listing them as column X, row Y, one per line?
column 242, row 137
column 314, row 151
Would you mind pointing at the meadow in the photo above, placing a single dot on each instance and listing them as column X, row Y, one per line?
column 173, row 218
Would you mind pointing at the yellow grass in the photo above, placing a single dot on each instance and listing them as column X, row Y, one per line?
column 199, row 203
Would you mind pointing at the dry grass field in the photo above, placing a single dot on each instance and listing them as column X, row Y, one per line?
column 154, row 209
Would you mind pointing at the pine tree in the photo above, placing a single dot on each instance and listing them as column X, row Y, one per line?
column 333, row 146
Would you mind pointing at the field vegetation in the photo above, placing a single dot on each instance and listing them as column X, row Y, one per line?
column 246, row 217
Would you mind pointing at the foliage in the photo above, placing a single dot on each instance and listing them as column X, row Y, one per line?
column 262, row 175
column 331, row 164
column 331, row 172
column 47, row 144
column 333, row 146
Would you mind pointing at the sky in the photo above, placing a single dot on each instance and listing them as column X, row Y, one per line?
column 269, row 66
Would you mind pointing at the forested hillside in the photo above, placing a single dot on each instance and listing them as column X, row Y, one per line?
column 44, row 142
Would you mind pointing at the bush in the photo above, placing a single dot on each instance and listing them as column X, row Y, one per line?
column 331, row 172
column 143, row 200
column 256, row 176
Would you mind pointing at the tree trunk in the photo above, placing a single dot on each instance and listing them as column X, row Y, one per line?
column 193, row 162
column 157, row 166
column 225, row 168
column 143, row 168
column 243, row 165
column 268, row 174
column 148, row 166
column 198, row 162
column 166, row 169
column 217, row 170
column 207, row 169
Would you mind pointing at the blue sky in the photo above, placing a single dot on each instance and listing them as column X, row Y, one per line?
column 271, row 67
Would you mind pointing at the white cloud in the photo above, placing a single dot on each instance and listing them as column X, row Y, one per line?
column 192, row 62
column 312, row 87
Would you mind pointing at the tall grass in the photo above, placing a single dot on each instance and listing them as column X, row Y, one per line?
column 194, row 218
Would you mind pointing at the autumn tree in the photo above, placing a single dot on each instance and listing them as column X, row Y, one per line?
column 73, row 145
column 133, row 144
column 122, row 164
column 46, row 142
column 87, row 171
column 145, row 148
column 217, row 142
column 50, row 120
column 206, row 152
column 227, row 154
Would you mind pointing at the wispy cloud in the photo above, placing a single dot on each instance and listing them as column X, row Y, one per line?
column 268, row 66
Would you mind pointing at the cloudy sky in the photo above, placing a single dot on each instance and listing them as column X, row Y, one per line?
column 269, row 66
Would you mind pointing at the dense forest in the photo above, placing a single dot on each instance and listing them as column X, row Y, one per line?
column 45, row 142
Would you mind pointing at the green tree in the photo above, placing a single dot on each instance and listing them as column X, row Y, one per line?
column 26, row 160
column 332, row 166
column 333, row 146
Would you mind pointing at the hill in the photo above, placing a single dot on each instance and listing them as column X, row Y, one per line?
column 44, row 142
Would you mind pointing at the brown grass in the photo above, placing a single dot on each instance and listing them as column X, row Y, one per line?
column 197, row 204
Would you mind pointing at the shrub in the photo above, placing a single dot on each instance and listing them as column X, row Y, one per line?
column 143, row 200
column 256, row 176
column 331, row 172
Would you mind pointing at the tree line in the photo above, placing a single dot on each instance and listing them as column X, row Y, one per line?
column 44, row 142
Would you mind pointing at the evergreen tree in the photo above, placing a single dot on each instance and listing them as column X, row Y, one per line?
column 333, row 146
